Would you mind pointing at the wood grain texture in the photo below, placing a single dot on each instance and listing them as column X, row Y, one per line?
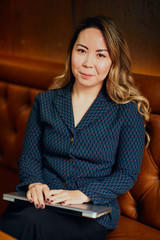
column 41, row 29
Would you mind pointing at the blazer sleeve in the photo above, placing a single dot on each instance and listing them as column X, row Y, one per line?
column 128, row 160
column 30, row 163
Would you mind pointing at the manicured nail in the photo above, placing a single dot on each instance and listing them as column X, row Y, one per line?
column 47, row 200
column 31, row 201
column 42, row 206
column 37, row 206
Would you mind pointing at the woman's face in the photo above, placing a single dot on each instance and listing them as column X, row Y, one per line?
column 90, row 59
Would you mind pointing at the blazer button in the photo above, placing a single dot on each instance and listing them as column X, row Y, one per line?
column 71, row 159
column 64, row 184
column 72, row 139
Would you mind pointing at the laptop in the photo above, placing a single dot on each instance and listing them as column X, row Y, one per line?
column 84, row 210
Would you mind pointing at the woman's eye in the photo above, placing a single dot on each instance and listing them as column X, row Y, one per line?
column 81, row 50
column 101, row 55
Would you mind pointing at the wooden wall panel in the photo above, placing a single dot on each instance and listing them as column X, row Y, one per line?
column 5, row 28
column 39, row 29
column 35, row 29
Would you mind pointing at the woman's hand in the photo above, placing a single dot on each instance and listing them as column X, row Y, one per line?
column 68, row 197
column 38, row 194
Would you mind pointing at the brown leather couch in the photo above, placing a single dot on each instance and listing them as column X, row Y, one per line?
column 20, row 81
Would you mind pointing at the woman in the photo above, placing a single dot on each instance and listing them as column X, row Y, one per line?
column 84, row 140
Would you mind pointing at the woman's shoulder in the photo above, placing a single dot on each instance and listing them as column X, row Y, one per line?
column 44, row 99
column 46, row 95
column 124, row 108
column 130, row 106
column 131, row 112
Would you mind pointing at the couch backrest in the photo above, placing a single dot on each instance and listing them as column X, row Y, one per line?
column 142, row 202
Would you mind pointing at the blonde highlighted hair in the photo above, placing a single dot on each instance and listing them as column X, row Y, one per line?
column 120, row 83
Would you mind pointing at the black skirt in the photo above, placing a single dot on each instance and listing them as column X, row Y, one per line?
column 27, row 222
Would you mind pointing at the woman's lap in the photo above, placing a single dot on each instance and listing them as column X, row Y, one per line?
column 44, row 224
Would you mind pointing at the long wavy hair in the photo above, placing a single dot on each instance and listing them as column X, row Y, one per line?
column 119, row 83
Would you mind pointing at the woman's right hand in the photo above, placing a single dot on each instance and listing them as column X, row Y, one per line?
column 38, row 194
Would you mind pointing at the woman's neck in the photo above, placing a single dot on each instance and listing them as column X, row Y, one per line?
column 82, row 99
column 83, row 92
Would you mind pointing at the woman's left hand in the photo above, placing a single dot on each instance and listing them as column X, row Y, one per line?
column 68, row 197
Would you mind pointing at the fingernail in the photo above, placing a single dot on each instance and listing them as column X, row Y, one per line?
column 42, row 206
column 47, row 200
column 37, row 206
column 30, row 200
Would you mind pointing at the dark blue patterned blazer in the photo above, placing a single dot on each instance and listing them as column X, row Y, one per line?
column 101, row 156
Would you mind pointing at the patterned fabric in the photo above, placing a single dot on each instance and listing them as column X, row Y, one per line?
column 101, row 156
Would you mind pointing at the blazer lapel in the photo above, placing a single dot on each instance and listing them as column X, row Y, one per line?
column 63, row 104
column 99, row 107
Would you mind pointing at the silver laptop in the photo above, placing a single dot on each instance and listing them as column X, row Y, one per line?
column 84, row 210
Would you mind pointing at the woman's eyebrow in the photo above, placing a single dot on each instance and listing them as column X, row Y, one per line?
column 82, row 45
column 98, row 50
column 101, row 50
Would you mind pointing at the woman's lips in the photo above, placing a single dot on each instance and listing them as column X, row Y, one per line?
column 86, row 75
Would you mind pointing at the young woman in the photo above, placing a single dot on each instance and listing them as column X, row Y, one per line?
column 84, row 141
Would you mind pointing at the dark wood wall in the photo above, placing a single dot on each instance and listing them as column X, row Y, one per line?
column 38, row 29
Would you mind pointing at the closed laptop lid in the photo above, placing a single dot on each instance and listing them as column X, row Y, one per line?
column 84, row 210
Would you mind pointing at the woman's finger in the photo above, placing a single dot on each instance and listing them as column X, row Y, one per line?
column 34, row 197
column 40, row 197
column 46, row 193
column 56, row 191
column 67, row 202
column 59, row 197
column 28, row 195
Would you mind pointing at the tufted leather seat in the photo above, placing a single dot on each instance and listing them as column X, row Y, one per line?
column 20, row 81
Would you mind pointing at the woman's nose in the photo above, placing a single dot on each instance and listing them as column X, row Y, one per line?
column 88, row 61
